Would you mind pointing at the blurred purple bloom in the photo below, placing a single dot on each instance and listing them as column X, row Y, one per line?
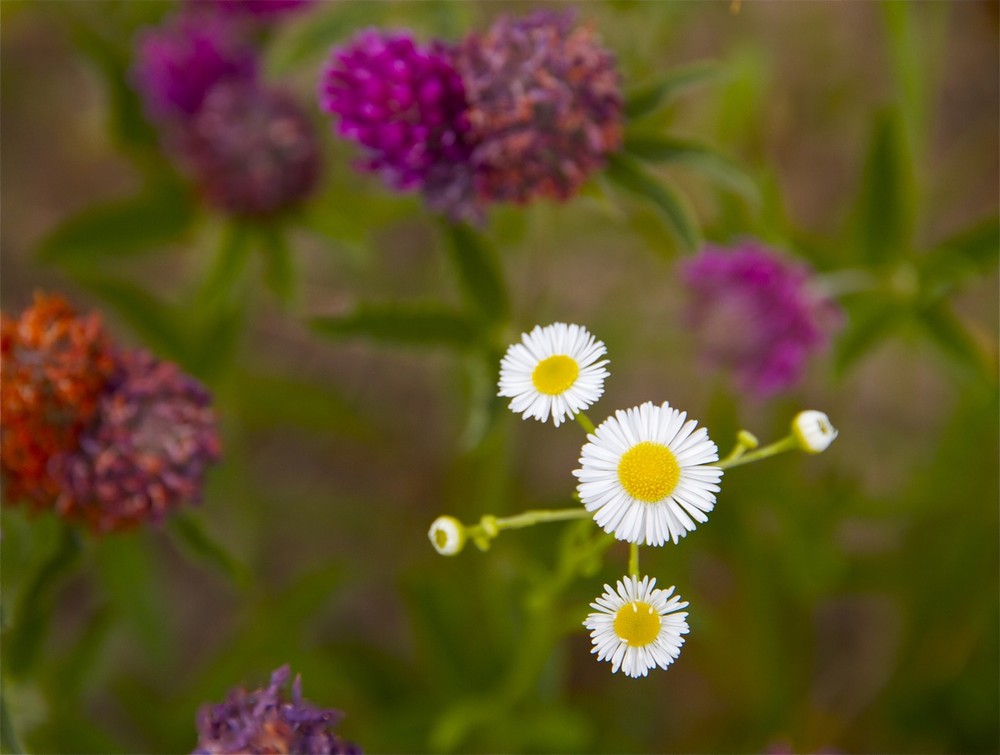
column 406, row 106
column 177, row 64
column 265, row 721
column 757, row 314
column 251, row 150
column 147, row 449
column 545, row 106
column 258, row 8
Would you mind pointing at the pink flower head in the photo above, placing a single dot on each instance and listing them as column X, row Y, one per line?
column 757, row 314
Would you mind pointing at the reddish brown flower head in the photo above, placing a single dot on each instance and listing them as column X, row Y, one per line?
column 145, row 453
column 545, row 106
column 54, row 366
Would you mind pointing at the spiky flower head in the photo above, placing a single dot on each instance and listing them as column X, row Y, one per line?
column 251, row 150
column 146, row 451
column 757, row 314
column 178, row 63
column 405, row 105
column 54, row 365
column 267, row 721
column 545, row 106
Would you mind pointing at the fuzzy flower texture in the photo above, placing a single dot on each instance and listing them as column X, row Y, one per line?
column 529, row 109
column 107, row 438
column 267, row 721
column 757, row 314
column 247, row 146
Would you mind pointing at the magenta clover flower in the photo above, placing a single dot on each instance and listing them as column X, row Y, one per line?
column 757, row 314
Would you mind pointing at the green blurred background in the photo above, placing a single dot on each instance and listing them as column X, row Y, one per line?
column 847, row 601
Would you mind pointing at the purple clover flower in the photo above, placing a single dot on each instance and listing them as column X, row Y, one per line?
column 757, row 314
column 146, row 451
column 406, row 106
column 545, row 106
column 251, row 150
column 179, row 63
column 265, row 721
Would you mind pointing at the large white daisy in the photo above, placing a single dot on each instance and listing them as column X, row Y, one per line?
column 637, row 627
column 556, row 370
column 643, row 474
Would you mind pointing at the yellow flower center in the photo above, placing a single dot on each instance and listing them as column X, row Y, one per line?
column 441, row 538
column 637, row 623
column 555, row 375
column 649, row 472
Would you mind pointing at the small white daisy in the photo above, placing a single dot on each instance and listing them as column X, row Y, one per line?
column 637, row 627
column 447, row 535
column 643, row 474
column 813, row 431
column 556, row 370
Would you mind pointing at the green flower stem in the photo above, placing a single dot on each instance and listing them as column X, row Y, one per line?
column 633, row 559
column 585, row 422
column 490, row 526
column 737, row 459
column 745, row 441
column 8, row 739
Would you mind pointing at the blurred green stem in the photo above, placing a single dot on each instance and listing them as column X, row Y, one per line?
column 490, row 526
column 738, row 459
column 633, row 559
column 585, row 422
column 848, row 281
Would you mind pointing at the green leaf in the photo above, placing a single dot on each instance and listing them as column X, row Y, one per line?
column 886, row 208
column 654, row 148
column 403, row 324
column 26, row 637
column 191, row 534
column 867, row 327
column 312, row 40
column 971, row 253
column 629, row 174
column 478, row 272
column 940, row 324
column 645, row 99
column 157, row 323
column 161, row 214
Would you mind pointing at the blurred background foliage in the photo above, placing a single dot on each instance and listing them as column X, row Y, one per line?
column 848, row 601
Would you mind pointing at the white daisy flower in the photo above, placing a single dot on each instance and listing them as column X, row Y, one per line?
column 643, row 474
column 813, row 431
column 447, row 535
column 556, row 370
column 637, row 627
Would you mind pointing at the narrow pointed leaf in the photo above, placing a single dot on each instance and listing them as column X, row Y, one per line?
column 408, row 325
column 478, row 272
column 940, row 324
column 645, row 99
column 279, row 265
column 886, row 213
column 629, row 174
column 161, row 214
column 191, row 534
column 973, row 252
column 662, row 149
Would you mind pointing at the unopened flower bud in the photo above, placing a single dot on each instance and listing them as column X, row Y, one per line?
column 813, row 431
column 447, row 535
